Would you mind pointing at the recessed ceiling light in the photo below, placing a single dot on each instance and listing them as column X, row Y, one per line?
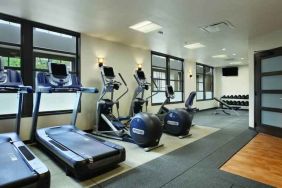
column 223, row 49
column 242, row 58
column 236, row 63
column 194, row 46
column 234, row 54
column 221, row 56
column 145, row 26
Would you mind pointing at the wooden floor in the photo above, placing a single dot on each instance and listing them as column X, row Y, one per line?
column 259, row 160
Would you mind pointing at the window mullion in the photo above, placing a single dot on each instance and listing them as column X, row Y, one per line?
column 168, row 72
column 26, row 65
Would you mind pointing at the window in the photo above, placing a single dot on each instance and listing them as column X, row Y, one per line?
column 50, row 46
column 166, row 70
column 204, row 81
column 42, row 44
column 10, row 47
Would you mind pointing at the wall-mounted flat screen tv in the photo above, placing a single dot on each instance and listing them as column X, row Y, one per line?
column 230, row 71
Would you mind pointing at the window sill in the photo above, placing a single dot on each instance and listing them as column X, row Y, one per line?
column 204, row 100
column 49, row 113
column 158, row 104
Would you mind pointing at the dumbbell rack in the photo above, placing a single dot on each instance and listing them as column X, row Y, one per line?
column 242, row 102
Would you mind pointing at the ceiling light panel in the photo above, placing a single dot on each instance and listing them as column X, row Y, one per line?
column 194, row 46
column 236, row 63
column 221, row 56
column 145, row 27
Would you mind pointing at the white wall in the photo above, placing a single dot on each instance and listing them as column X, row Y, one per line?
column 124, row 59
column 265, row 42
column 238, row 85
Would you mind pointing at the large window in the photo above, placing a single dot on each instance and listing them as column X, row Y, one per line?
column 50, row 46
column 10, row 48
column 41, row 44
column 166, row 70
column 204, row 79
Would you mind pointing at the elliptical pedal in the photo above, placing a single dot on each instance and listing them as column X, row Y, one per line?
column 185, row 136
column 147, row 149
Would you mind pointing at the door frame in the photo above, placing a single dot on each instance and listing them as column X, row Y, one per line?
column 275, row 131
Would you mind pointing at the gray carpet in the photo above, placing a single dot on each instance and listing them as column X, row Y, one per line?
column 197, row 164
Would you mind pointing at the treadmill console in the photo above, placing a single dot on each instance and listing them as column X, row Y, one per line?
column 59, row 75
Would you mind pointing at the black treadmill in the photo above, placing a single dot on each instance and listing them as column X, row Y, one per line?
column 81, row 154
column 19, row 167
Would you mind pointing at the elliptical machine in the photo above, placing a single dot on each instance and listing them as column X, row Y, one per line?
column 176, row 122
column 145, row 129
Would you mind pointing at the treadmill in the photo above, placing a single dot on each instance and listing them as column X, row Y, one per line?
column 19, row 167
column 81, row 154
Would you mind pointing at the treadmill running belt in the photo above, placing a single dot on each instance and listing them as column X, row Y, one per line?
column 83, row 145
column 13, row 167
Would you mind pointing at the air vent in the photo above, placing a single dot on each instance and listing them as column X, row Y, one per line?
column 216, row 27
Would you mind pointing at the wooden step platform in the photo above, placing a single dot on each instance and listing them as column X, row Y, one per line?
column 259, row 160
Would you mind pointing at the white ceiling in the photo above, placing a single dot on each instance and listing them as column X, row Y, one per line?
column 180, row 19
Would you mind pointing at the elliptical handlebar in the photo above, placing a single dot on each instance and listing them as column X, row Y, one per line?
column 152, row 88
column 125, row 90
column 122, row 79
column 137, row 80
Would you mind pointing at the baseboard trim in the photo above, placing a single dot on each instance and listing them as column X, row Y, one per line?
column 206, row 109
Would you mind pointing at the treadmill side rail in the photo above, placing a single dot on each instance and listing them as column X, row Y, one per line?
column 35, row 163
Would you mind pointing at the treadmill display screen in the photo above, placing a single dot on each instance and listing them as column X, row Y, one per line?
column 59, row 69
column 170, row 90
column 109, row 72
column 141, row 75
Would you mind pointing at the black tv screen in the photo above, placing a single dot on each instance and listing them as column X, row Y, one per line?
column 230, row 71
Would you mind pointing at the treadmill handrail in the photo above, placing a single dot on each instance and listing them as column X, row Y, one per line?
column 19, row 89
column 49, row 89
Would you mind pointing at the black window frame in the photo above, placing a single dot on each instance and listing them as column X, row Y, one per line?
column 204, row 84
column 28, row 59
column 167, row 72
